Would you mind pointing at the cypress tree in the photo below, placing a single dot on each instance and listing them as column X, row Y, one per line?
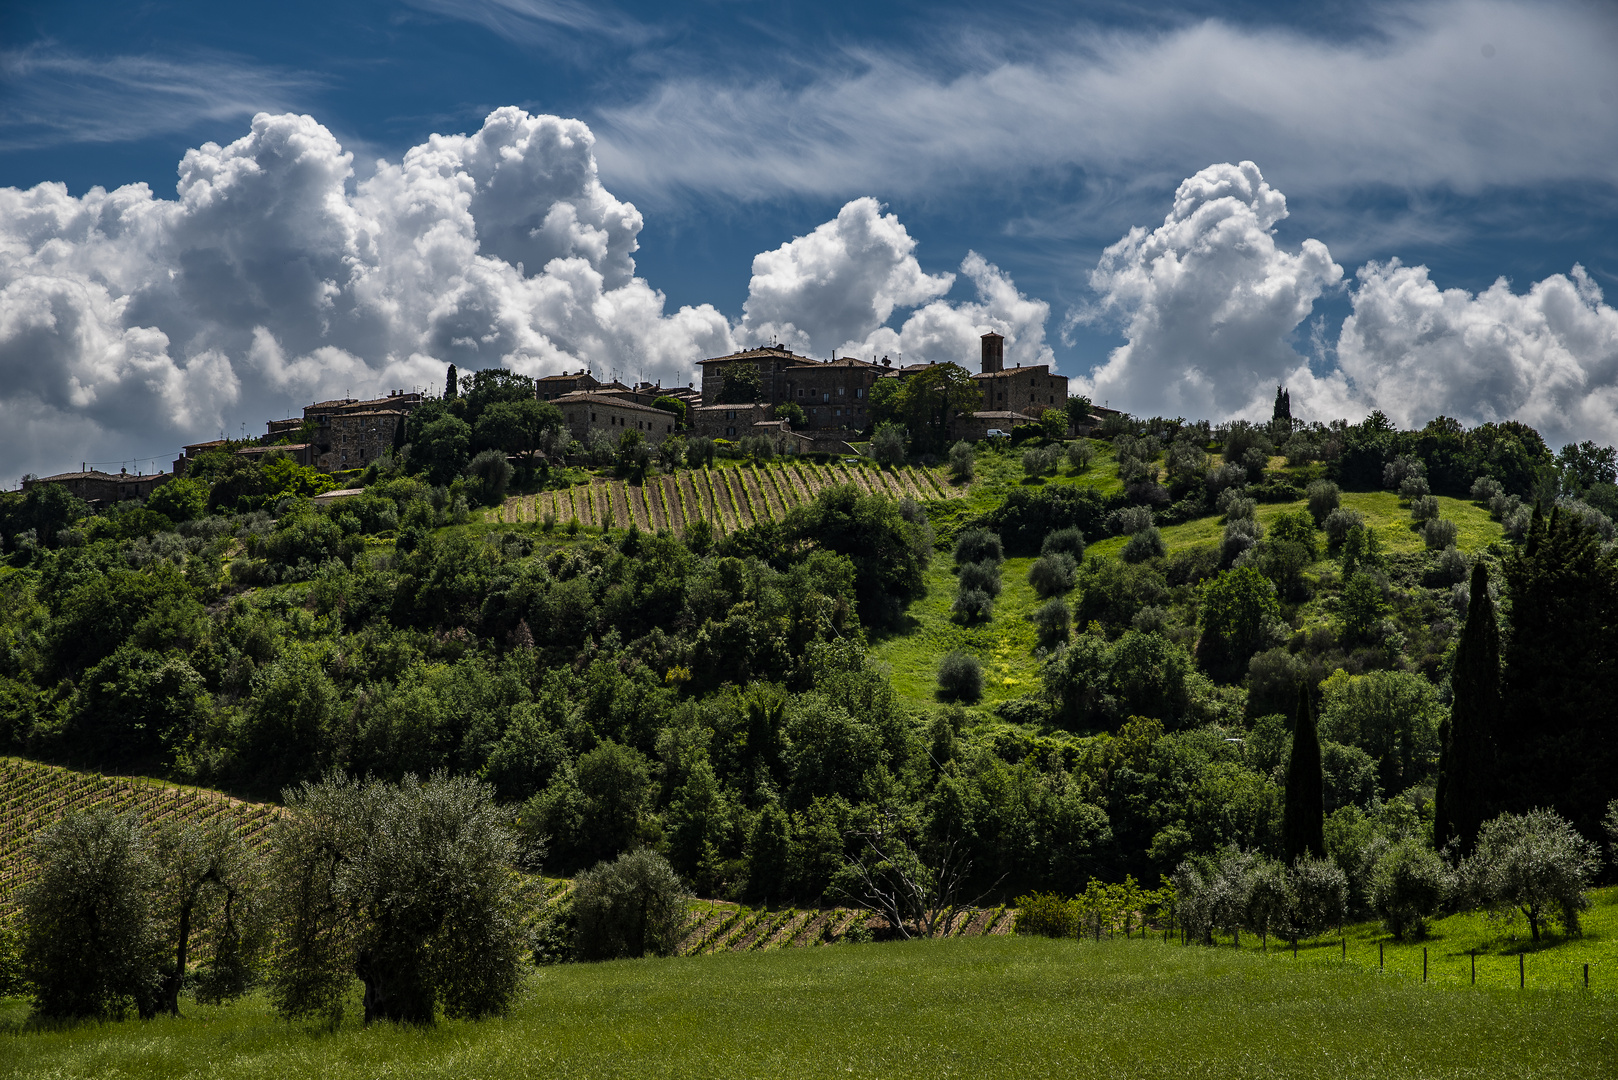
column 1557, row 738
column 1466, row 795
column 1303, row 817
column 451, row 386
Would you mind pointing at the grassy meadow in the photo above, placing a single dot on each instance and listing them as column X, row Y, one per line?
column 981, row 1007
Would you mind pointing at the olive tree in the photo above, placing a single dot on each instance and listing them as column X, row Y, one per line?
column 407, row 886
column 962, row 461
column 888, row 444
column 1407, row 886
column 631, row 906
column 90, row 941
column 1535, row 863
column 208, row 881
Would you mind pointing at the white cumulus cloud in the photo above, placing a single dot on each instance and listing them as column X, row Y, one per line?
column 839, row 283
column 1547, row 357
column 1210, row 305
column 1208, row 300
column 131, row 324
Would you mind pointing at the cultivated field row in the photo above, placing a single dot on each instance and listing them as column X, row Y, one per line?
column 718, row 927
column 726, row 498
column 33, row 796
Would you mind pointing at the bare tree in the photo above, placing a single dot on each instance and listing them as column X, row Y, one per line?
column 890, row 878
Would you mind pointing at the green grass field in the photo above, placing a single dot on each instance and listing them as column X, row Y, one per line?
column 985, row 1007
column 1556, row 962
column 1005, row 644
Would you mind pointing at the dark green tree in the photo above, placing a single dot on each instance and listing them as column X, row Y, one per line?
column 1303, row 814
column 1559, row 726
column 1466, row 790
column 769, row 854
column 742, row 385
column 929, row 401
column 452, row 386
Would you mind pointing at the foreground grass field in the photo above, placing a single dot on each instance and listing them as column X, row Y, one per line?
column 991, row 1007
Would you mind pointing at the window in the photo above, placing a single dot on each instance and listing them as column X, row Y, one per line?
column 859, row 392
column 840, row 391
column 592, row 418
column 825, row 397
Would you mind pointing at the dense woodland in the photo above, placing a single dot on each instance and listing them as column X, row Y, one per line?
column 715, row 698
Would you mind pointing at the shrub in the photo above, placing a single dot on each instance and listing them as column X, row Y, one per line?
column 1225, row 476
column 1319, row 896
column 1041, row 460
column 1400, row 469
column 1485, row 488
column 1132, row 519
column 962, row 461
column 492, row 473
column 1440, row 534
column 960, row 677
column 1300, row 449
column 1047, row 915
column 1338, row 523
column 1324, row 497
column 1054, row 620
column 1234, row 505
column 1452, row 565
column 1414, row 487
column 1424, row 508
column 1146, row 544
column 1535, row 863
column 1240, row 535
column 633, row 906
column 1517, row 522
column 972, row 604
column 1052, row 575
column 888, row 444
column 1079, row 455
column 978, row 545
column 982, row 576
column 1243, row 436
column 1069, row 541
column 1407, row 887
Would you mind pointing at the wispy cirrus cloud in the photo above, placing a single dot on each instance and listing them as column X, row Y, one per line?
column 535, row 22
column 1458, row 94
column 54, row 96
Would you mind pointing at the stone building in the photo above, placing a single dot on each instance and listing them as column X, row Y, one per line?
column 834, row 394
column 347, row 433
column 100, row 489
column 614, row 414
column 1028, row 390
column 551, row 387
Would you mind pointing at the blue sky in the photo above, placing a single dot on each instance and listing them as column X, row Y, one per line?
column 1469, row 141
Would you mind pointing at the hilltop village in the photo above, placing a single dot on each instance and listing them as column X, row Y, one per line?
column 804, row 404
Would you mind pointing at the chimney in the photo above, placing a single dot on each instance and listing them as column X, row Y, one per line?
column 994, row 353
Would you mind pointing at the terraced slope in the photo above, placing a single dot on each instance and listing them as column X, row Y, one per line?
column 728, row 498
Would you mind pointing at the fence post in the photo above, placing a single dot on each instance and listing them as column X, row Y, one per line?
column 1345, row 947
column 1587, row 976
column 1522, row 972
column 1381, row 956
column 1424, row 963
column 1294, row 948
column 1474, row 967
